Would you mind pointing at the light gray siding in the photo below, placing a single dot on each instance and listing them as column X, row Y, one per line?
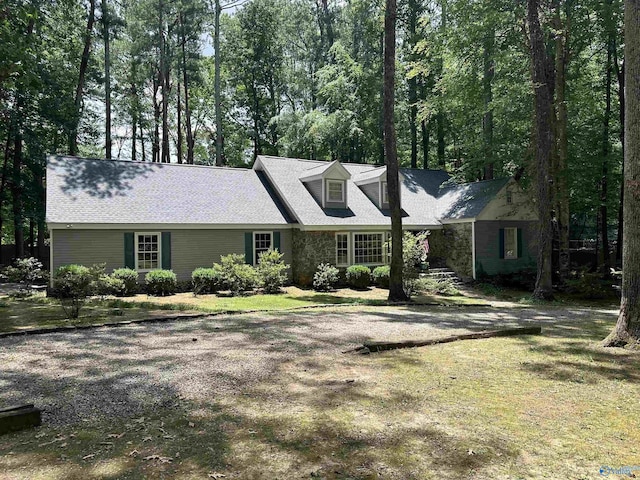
column 315, row 189
column 488, row 259
column 190, row 249
column 372, row 190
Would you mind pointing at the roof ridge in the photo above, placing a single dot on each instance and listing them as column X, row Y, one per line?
column 172, row 164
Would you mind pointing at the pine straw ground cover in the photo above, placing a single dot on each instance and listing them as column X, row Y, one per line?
column 272, row 396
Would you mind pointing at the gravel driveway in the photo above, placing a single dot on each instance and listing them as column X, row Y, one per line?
column 122, row 371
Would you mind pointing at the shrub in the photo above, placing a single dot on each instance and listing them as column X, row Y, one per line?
column 73, row 284
column 413, row 257
column 439, row 286
column 130, row 279
column 238, row 276
column 590, row 286
column 359, row 276
column 207, row 280
column 26, row 272
column 161, row 282
column 272, row 271
column 381, row 276
column 325, row 278
column 107, row 285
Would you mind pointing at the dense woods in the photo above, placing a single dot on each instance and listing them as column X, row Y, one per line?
column 483, row 89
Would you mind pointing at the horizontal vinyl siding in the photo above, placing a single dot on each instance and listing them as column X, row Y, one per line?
column 372, row 190
column 87, row 247
column 488, row 247
column 190, row 249
column 315, row 188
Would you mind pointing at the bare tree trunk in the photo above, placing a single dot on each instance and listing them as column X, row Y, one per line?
column 218, row 101
column 396, row 289
column 3, row 184
column 487, row 119
column 156, row 120
column 179, row 140
column 621, row 100
column 107, row 78
column 603, row 259
column 542, row 73
column 627, row 329
column 185, row 82
column 560, row 170
column 84, row 63
column 16, row 193
column 425, row 144
column 413, row 85
column 164, row 87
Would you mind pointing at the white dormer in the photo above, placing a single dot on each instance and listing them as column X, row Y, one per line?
column 328, row 184
column 374, row 185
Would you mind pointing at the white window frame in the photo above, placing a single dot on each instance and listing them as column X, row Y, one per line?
column 342, row 191
column 384, row 192
column 348, row 235
column 369, row 264
column 513, row 256
column 135, row 249
column 255, row 250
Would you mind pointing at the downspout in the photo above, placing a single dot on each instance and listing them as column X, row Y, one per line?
column 51, row 257
column 473, row 248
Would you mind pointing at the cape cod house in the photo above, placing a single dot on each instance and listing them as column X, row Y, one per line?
column 180, row 217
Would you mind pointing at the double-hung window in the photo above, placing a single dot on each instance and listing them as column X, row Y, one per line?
column 368, row 248
column 335, row 191
column 262, row 242
column 342, row 249
column 510, row 243
column 147, row 251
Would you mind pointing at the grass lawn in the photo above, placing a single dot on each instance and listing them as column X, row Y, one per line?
column 291, row 297
column 550, row 406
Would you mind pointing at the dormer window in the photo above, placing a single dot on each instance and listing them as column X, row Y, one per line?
column 385, row 193
column 335, row 191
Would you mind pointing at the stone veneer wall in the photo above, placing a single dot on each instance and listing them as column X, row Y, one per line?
column 437, row 244
column 309, row 250
column 457, row 248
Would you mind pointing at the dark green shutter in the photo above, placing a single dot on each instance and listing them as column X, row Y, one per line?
column 276, row 241
column 519, row 243
column 501, row 243
column 248, row 248
column 166, row 250
column 129, row 250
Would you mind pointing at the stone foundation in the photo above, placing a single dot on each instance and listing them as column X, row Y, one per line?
column 457, row 248
column 310, row 249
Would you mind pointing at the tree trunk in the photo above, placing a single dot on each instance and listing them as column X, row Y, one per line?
column 156, row 120
column 425, row 144
column 16, row 193
column 396, row 289
column 542, row 78
column 3, row 184
column 164, row 87
column 84, row 63
column 179, row 140
column 218, row 101
column 413, row 85
column 107, row 78
column 627, row 329
column 621, row 100
column 560, row 170
column 185, row 82
column 487, row 119
column 603, row 259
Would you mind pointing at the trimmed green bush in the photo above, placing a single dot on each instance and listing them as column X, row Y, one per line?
column 272, row 271
column 207, row 280
column 130, row 279
column 358, row 276
column 161, row 282
column 439, row 286
column 107, row 285
column 72, row 285
column 238, row 276
column 381, row 276
column 325, row 278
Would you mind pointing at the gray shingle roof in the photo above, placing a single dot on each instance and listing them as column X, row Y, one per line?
column 110, row 192
column 469, row 199
column 419, row 192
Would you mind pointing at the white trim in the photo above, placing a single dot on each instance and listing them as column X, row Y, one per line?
column 348, row 235
column 168, row 226
column 255, row 253
column 383, row 191
column 458, row 220
column 135, row 251
column 473, row 249
column 351, row 228
column 343, row 188
column 353, row 248
column 50, row 257
column 342, row 172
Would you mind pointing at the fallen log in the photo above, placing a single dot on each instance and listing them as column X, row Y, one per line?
column 371, row 347
column 13, row 419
